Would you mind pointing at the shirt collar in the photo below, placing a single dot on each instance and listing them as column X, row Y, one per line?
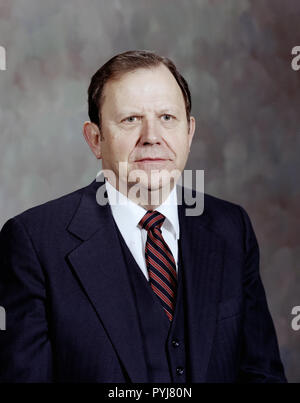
column 125, row 209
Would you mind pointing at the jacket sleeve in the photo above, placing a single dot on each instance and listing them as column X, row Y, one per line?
column 260, row 357
column 25, row 349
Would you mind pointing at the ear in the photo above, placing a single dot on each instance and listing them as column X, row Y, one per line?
column 93, row 137
column 192, row 127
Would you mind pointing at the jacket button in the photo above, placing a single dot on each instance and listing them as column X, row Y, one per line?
column 175, row 343
column 179, row 370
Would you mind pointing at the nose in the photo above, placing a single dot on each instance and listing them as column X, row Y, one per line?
column 150, row 132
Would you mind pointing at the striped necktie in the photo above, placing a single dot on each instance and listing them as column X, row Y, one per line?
column 160, row 262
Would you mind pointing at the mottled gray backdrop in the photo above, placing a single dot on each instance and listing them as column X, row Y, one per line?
column 236, row 56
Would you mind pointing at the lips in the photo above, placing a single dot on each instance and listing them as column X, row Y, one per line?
column 150, row 159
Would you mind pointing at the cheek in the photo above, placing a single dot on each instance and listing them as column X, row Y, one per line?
column 179, row 144
column 124, row 147
column 118, row 148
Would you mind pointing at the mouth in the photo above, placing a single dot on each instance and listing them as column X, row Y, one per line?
column 151, row 159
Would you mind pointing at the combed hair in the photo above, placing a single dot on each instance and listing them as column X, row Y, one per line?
column 125, row 63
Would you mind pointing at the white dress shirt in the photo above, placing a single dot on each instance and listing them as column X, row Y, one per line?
column 127, row 216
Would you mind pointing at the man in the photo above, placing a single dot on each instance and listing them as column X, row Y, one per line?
column 135, row 290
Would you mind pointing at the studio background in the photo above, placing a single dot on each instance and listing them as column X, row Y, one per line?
column 236, row 57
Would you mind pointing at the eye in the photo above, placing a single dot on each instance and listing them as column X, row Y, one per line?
column 166, row 117
column 131, row 119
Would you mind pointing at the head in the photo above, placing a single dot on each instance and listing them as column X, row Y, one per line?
column 139, row 109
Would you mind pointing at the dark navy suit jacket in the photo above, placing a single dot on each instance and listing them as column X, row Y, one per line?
column 70, row 315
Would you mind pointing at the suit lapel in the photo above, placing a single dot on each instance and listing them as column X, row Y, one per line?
column 100, row 267
column 202, row 254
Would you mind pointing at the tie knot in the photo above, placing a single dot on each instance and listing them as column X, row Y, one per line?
column 151, row 220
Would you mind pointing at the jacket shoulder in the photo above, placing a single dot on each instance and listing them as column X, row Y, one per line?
column 220, row 209
column 228, row 219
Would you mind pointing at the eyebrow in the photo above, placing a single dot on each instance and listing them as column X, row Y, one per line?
column 124, row 114
column 170, row 109
column 131, row 112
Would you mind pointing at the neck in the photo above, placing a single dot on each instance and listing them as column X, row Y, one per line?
column 153, row 198
column 149, row 199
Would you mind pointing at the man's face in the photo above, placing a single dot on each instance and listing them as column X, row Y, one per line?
column 144, row 124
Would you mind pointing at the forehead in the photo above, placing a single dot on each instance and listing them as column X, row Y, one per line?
column 144, row 87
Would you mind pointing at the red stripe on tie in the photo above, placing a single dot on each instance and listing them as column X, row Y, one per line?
column 165, row 247
column 161, row 270
column 164, row 285
column 154, row 219
column 162, row 259
column 161, row 241
column 162, row 246
column 169, row 315
column 162, row 296
column 158, row 267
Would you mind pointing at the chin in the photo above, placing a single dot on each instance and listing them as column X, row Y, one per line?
column 160, row 185
column 150, row 186
column 154, row 187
